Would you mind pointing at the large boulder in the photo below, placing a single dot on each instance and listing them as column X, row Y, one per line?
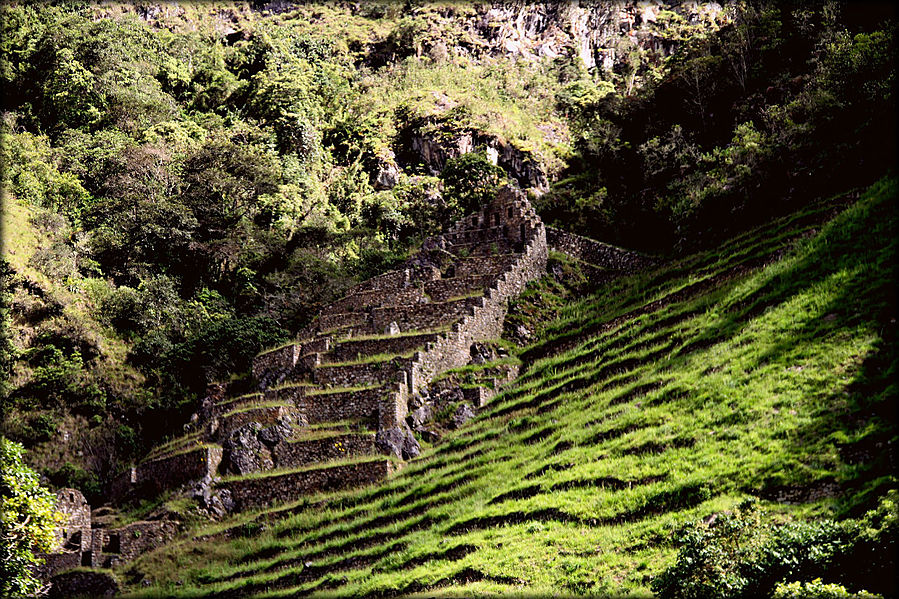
column 398, row 441
column 244, row 452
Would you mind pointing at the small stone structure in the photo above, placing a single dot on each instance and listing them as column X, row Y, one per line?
column 86, row 543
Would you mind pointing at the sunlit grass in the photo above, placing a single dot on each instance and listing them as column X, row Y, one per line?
column 668, row 401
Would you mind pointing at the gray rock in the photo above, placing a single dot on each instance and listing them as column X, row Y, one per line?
column 392, row 329
column 428, row 435
column 276, row 433
column 388, row 172
column 398, row 442
column 523, row 333
column 244, row 452
column 463, row 414
column 417, row 418
column 480, row 353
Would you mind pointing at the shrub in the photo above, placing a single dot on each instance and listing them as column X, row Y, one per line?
column 28, row 521
column 817, row 590
column 740, row 555
column 471, row 180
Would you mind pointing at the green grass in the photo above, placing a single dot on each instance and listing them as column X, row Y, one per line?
column 766, row 367
column 370, row 359
column 258, row 406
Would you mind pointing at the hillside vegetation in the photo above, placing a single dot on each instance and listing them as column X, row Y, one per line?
column 765, row 368
column 187, row 184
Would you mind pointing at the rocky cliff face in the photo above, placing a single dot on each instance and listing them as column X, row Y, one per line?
column 430, row 143
column 597, row 32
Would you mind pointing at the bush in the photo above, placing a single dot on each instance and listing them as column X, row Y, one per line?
column 471, row 181
column 817, row 590
column 740, row 555
column 28, row 521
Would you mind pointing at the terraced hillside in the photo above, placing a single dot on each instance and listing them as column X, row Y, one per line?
column 764, row 368
column 328, row 411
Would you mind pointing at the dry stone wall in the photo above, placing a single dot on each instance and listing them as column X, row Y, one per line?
column 334, row 447
column 595, row 252
column 278, row 488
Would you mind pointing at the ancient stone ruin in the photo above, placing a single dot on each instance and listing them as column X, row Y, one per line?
column 331, row 409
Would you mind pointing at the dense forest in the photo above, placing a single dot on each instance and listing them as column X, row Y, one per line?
column 187, row 185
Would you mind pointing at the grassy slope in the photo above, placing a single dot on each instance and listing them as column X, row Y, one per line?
column 765, row 367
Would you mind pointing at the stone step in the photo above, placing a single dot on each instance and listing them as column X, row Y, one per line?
column 321, row 446
column 267, row 488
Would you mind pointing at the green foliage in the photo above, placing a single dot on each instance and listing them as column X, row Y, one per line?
column 471, row 180
column 28, row 520
column 742, row 554
column 816, row 589
column 76, row 477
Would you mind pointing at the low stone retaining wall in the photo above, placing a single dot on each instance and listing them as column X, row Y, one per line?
column 422, row 316
column 357, row 375
column 389, row 281
column 331, row 322
column 301, row 452
column 169, row 472
column 279, row 488
column 129, row 541
column 595, row 252
column 83, row 583
column 321, row 408
column 444, row 289
column 352, row 349
column 55, row 563
column 487, row 266
column 358, row 302
column 273, row 367
column 264, row 416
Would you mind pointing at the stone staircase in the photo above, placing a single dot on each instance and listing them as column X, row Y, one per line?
column 329, row 410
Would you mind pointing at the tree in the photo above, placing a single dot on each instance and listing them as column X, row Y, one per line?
column 471, row 180
column 28, row 521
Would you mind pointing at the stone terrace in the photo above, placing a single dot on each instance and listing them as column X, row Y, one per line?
column 329, row 410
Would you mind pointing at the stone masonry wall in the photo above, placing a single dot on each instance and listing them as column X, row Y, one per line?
column 320, row 408
column 421, row 316
column 299, row 453
column 355, row 375
column 176, row 470
column 129, row 541
column 255, row 492
column 75, row 533
column 366, row 299
column 485, row 321
column 442, row 290
column 596, row 252
column 352, row 349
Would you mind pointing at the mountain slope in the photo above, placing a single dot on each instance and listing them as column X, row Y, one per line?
column 764, row 368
